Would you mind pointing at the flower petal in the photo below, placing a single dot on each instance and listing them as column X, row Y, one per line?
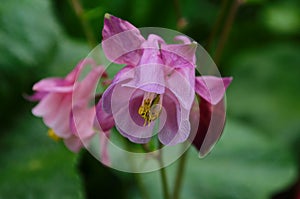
column 53, row 85
column 179, row 83
column 103, row 121
column 104, row 140
column 55, row 109
column 121, row 41
column 177, row 126
column 211, row 88
column 179, row 55
column 73, row 143
column 122, row 98
column 211, row 124
column 124, row 75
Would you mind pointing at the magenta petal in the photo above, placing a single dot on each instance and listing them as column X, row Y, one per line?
column 177, row 126
column 121, row 41
column 123, row 76
column 211, row 88
column 103, row 120
column 212, row 121
column 124, row 121
column 179, row 55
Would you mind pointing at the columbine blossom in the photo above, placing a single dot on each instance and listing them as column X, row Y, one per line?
column 64, row 105
column 158, row 83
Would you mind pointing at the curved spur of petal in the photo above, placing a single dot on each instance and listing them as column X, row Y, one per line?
column 37, row 96
column 177, row 126
column 73, row 143
column 121, row 41
column 103, row 121
column 122, row 97
column 59, row 85
column 182, row 38
column 179, row 55
column 211, row 88
column 55, row 109
column 211, row 125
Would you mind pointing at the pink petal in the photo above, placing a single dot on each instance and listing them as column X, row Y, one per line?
column 184, row 39
column 177, row 126
column 124, row 121
column 82, row 122
column 37, row 96
column 55, row 109
column 104, row 140
column 73, row 143
column 211, row 88
column 179, row 55
column 149, row 78
column 53, row 85
column 84, row 90
column 179, row 84
column 124, row 75
column 121, row 41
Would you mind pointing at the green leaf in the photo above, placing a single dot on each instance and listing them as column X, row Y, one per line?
column 34, row 166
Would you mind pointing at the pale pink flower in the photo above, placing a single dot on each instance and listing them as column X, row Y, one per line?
column 64, row 104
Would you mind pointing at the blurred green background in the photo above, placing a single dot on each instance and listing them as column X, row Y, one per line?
column 258, row 154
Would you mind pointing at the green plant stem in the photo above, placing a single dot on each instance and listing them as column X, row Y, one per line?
column 88, row 31
column 164, row 183
column 141, row 186
column 217, row 25
column 179, row 175
column 226, row 30
column 163, row 176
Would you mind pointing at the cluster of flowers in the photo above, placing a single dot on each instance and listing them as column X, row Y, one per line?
column 157, row 83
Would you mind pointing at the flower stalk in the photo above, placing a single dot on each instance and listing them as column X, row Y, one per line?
column 226, row 30
column 88, row 31
column 179, row 175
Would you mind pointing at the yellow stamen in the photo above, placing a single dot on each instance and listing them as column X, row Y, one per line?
column 52, row 135
column 150, row 109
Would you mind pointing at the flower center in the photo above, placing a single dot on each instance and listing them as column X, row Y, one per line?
column 150, row 108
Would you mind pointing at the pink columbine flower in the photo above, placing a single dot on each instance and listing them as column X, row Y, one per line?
column 158, row 83
column 64, row 105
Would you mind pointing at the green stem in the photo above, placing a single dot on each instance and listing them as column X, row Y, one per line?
column 226, row 30
column 88, row 31
column 217, row 25
column 180, row 174
column 163, row 176
column 141, row 186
